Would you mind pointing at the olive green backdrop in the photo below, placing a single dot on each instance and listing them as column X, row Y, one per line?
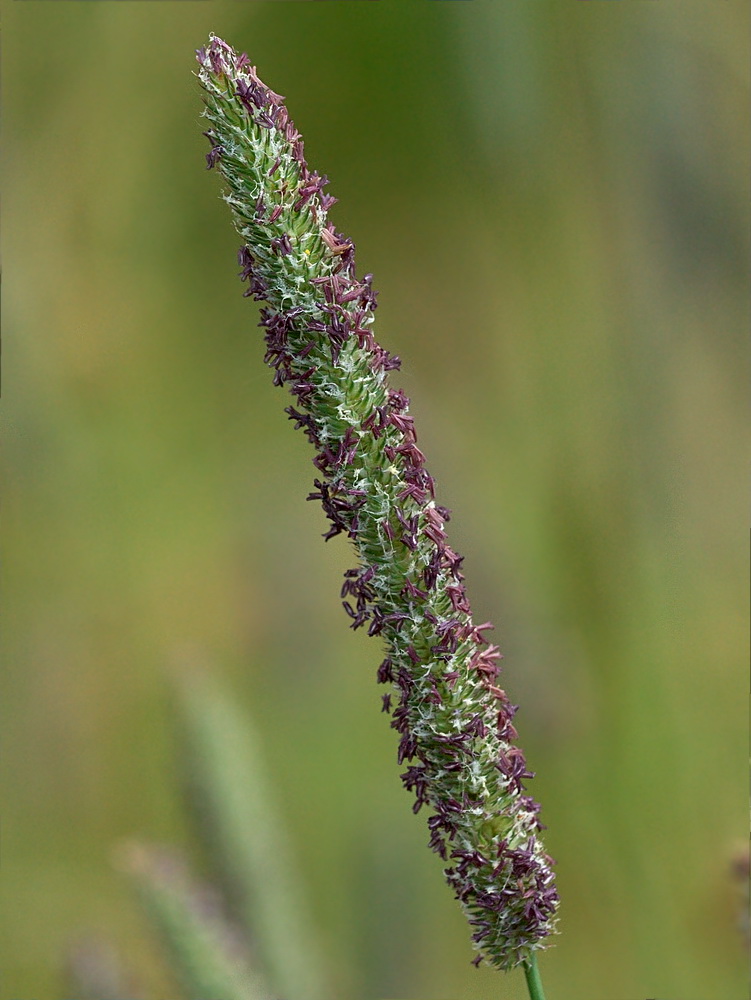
column 552, row 198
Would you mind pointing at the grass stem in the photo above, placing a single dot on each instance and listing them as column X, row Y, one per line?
column 534, row 983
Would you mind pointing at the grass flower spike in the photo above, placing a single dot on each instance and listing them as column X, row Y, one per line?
column 454, row 721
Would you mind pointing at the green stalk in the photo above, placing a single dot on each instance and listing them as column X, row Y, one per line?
column 534, row 983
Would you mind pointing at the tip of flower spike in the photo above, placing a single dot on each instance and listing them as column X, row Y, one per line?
column 219, row 58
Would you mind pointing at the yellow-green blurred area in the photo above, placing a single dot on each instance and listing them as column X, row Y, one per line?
column 552, row 198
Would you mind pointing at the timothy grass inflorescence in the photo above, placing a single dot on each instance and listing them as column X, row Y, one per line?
column 455, row 723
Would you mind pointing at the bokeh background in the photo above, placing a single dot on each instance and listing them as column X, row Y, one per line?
column 552, row 197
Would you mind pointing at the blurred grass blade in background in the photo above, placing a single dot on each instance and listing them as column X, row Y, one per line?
column 95, row 971
column 204, row 951
column 245, row 839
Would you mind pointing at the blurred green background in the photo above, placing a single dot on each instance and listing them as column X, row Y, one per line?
column 552, row 198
